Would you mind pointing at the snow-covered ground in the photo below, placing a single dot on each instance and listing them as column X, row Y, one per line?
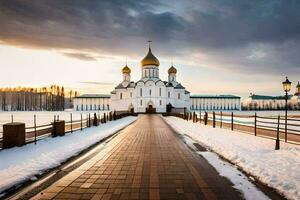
column 242, row 119
column 42, row 117
column 255, row 155
column 22, row 163
column 265, row 113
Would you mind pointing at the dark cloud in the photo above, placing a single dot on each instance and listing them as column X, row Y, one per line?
column 81, row 56
column 253, row 34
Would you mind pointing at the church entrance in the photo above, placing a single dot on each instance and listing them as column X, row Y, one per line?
column 131, row 108
column 150, row 108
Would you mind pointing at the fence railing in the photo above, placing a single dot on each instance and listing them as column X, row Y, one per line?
column 38, row 132
column 270, row 127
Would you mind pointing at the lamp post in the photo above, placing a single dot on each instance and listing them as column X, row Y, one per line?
column 286, row 87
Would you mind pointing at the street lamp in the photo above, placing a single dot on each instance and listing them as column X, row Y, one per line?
column 286, row 87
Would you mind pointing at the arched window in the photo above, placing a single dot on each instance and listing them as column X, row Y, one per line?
column 169, row 94
column 160, row 92
column 121, row 95
column 141, row 102
column 160, row 102
column 130, row 94
column 178, row 95
column 150, row 92
column 141, row 92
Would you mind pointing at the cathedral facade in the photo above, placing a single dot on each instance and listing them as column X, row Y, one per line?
column 149, row 94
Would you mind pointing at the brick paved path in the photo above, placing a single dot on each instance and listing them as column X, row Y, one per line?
column 146, row 161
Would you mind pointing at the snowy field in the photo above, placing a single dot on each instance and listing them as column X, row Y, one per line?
column 268, row 113
column 42, row 117
column 242, row 119
column 23, row 163
column 255, row 155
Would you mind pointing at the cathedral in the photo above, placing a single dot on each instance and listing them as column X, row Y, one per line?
column 150, row 94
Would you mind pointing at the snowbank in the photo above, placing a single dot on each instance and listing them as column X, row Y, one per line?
column 255, row 155
column 22, row 163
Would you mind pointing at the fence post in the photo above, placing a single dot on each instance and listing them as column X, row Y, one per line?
column 71, row 124
column 205, row 118
column 200, row 116
column 89, row 120
column 214, row 119
column 221, row 118
column 277, row 144
column 81, row 121
column 232, row 121
column 57, row 117
column 255, row 118
column 34, row 129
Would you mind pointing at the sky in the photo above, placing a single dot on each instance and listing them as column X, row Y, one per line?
column 218, row 46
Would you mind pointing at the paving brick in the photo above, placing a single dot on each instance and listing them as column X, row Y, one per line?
column 146, row 161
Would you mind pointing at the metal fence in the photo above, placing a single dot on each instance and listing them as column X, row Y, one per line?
column 38, row 132
column 270, row 127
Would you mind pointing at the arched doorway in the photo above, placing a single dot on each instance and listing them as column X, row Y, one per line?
column 150, row 108
column 131, row 108
column 169, row 107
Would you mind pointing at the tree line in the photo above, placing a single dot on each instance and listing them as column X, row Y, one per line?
column 53, row 98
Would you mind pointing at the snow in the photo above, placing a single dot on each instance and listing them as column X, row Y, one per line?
column 265, row 113
column 239, row 180
column 42, row 117
column 255, row 155
column 293, row 126
column 23, row 163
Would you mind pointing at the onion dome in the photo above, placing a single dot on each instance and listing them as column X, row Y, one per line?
column 126, row 70
column 172, row 70
column 149, row 59
column 298, row 85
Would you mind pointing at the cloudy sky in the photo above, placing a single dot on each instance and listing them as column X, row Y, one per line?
column 218, row 47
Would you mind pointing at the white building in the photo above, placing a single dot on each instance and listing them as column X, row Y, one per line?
column 150, row 93
column 92, row 102
column 215, row 102
column 263, row 102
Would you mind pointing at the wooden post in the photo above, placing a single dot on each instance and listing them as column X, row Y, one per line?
column 89, row 120
column 81, row 121
column 71, row 123
column 221, row 119
column 255, row 118
column 232, row 121
column 205, row 118
column 13, row 135
column 34, row 129
column 214, row 119
column 58, row 128
column 200, row 116
column 277, row 144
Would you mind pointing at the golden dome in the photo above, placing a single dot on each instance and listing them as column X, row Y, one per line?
column 150, row 59
column 172, row 70
column 126, row 70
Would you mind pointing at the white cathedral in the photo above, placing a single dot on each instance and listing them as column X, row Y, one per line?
column 150, row 94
